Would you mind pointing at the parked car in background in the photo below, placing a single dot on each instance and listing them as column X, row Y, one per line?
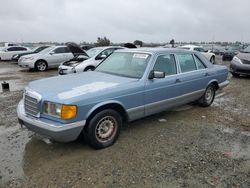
column 217, row 50
column 47, row 58
column 8, row 52
column 128, row 85
column 230, row 52
column 240, row 65
column 96, row 55
column 33, row 51
column 86, row 47
column 210, row 56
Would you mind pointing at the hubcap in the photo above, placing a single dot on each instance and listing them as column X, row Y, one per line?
column 106, row 129
column 209, row 95
column 41, row 66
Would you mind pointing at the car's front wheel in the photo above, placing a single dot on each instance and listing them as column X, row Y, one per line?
column 41, row 66
column 208, row 97
column 103, row 129
column 235, row 74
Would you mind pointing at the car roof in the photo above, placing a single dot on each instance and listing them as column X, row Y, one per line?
column 191, row 46
column 155, row 50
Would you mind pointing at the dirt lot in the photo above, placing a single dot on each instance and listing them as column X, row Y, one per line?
column 187, row 147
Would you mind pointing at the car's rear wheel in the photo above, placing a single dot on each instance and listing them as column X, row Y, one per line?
column 103, row 129
column 41, row 66
column 212, row 60
column 208, row 97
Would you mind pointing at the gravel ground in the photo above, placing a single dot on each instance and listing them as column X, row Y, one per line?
column 189, row 146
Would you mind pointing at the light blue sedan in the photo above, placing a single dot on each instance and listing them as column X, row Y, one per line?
column 128, row 85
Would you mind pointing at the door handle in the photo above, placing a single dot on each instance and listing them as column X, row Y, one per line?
column 177, row 80
column 207, row 74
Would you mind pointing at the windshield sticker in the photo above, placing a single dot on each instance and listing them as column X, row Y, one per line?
column 141, row 56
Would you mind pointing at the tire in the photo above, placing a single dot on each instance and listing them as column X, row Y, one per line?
column 235, row 74
column 90, row 68
column 41, row 65
column 103, row 129
column 208, row 97
column 212, row 60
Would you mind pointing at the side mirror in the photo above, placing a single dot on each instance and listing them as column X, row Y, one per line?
column 52, row 53
column 156, row 74
column 101, row 57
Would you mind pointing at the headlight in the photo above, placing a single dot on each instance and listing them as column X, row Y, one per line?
column 237, row 59
column 60, row 110
column 15, row 56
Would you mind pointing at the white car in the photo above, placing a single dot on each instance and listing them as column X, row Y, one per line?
column 8, row 52
column 210, row 56
column 96, row 55
column 48, row 58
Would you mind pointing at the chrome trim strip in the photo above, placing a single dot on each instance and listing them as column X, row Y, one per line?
column 159, row 106
column 135, row 113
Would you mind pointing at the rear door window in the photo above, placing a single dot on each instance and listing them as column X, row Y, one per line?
column 186, row 62
column 199, row 63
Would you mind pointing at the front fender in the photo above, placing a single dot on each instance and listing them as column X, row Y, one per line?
column 103, row 104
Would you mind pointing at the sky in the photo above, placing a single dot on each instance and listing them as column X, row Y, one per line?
column 124, row 20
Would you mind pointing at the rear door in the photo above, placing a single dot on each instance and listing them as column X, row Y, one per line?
column 163, row 93
column 193, row 77
column 59, row 55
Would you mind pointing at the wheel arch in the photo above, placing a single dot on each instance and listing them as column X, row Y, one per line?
column 41, row 60
column 88, row 66
column 215, row 83
column 114, row 105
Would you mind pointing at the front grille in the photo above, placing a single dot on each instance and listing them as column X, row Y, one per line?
column 31, row 106
column 245, row 61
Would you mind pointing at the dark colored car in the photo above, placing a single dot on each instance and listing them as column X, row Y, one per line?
column 230, row 53
column 218, row 51
column 36, row 50
column 240, row 65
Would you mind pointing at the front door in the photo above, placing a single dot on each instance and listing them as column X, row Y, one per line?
column 163, row 93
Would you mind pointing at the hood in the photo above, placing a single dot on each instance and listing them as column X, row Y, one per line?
column 244, row 56
column 76, row 87
column 26, row 53
column 75, row 49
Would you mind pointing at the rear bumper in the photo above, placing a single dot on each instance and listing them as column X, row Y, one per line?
column 223, row 84
column 50, row 129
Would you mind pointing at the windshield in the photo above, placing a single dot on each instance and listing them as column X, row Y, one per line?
column 46, row 50
column 127, row 64
column 247, row 49
column 39, row 49
column 93, row 51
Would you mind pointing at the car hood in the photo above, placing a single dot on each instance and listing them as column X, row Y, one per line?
column 75, row 87
column 76, row 49
column 244, row 56
column 26, row 53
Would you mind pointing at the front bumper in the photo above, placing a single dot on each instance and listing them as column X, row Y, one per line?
column 239, row 68
column 50, row 129
column 62, row 70
column 26, row 64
